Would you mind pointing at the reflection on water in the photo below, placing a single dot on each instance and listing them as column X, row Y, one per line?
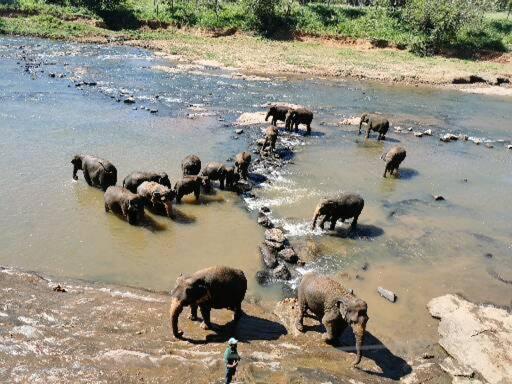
column 413, row 245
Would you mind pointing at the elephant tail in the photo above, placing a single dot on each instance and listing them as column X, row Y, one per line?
column 112, row 171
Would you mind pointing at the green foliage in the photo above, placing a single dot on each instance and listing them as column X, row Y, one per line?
column 263, row 15
column 437, row 22
column 183, row 14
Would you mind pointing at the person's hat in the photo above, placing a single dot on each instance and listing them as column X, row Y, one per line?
column 232, row 341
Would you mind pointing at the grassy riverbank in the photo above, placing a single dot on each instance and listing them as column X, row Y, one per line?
column 313, row 51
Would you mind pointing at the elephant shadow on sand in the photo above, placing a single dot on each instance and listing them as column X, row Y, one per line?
column 248, row 328
column 392, row 366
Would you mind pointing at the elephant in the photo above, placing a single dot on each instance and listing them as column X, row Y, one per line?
column 242, row 162
column 121, row 200
column 343, row 207
column 191, row 184
column 191, row 165
column 375, row 123
column 218, row 171
column 393, row 159
column 294, row 117
column 134, row 179
column 271, row 134
column 215, row 287
column 97, row 172
column 157, row 197
column 334, row 306
column 278, row 113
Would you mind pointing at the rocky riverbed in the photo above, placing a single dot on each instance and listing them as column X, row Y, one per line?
column 65, row 331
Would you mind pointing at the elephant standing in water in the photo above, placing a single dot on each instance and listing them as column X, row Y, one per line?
column 157, row 197
column 393, row 159
column 122, row 201
column 97, row 172
column 218, row 171
column 242, row 162
column 278, row 113
column 191, row 184
column 375, row 123
column 335, row 306
column 343, row 207
column 134, row 179
column 271, row 134
column 214, row 287
column 191, row 165
column 294, row 117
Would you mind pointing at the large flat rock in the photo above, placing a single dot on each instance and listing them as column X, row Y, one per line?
column 477, row 336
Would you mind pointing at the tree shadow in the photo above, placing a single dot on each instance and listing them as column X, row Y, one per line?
column 119, row 18
column 392, row 366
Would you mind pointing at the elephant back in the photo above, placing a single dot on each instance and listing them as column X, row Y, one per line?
column 227, row 286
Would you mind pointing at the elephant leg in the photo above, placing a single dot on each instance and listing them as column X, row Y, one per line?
column 197, row 192
column 87, row 177
column 322, row 222
column 107, row 208
column 237, row 312
column 193, row 312
column 221, row 182
column 205, row 312
column 178, row 197
column 334, row 219
column 353, row 226
column 315, row 218
column 302, row 308
column 308, row 129
column 274, row 121
column 296, row 127
column 368, row 132
column 329, row 335
column 385, row 171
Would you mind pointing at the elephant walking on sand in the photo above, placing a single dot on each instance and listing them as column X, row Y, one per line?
column 335, row 306
column 374, row 123
column 97, row 172
column 343, row 207
column 297, row 116
column 393, row 159
column 278, row 113
column 207, row 289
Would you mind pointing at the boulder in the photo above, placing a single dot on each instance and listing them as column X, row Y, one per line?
column 438, row 197
column 282, row 272
column 263, row 277
column 418, row 134
column 477, row 336
column 129, row 100
column 454, row 368
column 428, row 132
column 448, row 137
column 275, row 235
column 265, row 221
column 387, row 294
column 268, row 256
column 288, row 255
column 239, row 131
column 274, row 245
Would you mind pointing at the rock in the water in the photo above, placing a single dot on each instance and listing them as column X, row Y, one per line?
column 454, row 368
column 477, row 336
column 265, row 221
column 463, row 137
column 449, row 137
column 274, row 245
column 428, row 132
column 509, row 146
column 265, row 209
column 239, row 131
column 418, row 134
column 409, row 129
column 129, row 100
column 289, row 255
column 268, row 257
column 489, row 145
column 153, row 110
column 276, row 235
column 438, row 197
column 282, row 272
column 387, row 294
column 263, row 277
column 242, row 186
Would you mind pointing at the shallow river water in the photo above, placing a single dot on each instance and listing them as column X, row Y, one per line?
column 413, row 245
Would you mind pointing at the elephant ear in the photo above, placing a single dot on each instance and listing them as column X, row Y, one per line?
column 342, row 307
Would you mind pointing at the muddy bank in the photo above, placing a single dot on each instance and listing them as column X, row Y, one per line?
column 97, row 333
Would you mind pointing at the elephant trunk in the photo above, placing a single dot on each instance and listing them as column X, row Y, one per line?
column 358, row 329
column 268, row 115
column 175, row 311
column 168, row 208
column 75, row 170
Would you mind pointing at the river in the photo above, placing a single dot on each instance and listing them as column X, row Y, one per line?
column 411, row 244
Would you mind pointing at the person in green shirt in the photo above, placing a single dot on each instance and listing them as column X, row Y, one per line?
column 231, row 358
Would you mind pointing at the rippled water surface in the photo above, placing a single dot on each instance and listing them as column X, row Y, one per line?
column 412, row 244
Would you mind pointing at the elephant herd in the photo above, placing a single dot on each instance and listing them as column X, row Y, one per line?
column 224, row 287
column 153, row 190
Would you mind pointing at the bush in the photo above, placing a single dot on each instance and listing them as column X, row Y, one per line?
column 263, row 15
column 437, row 22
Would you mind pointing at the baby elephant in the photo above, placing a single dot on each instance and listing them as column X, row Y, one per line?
column 242, row 162
column 393, row 159
column 191, row 184
column 278, row 113
column 134, row 179
column 375, row 123
column 214, row 287
column 335, row 307
column 271, row 134
column 157, row 197
column 97, row 172
column 343, row 207
column 122, row 201
column 294, row 117
column 191, row 165
column 218, row 171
